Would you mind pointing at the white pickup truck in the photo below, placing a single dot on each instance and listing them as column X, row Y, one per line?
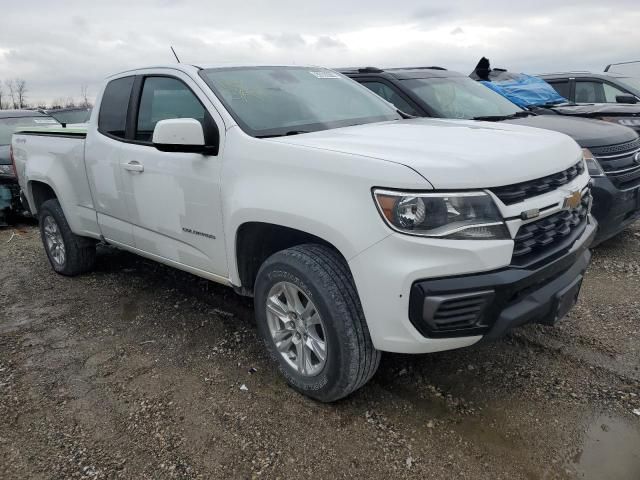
column 355, row 230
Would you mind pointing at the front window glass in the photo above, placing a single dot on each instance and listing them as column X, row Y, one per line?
column 390, row 95
column 163, row 98
column 611, row 92
column 10, row 125
column 632, row 84
column 460, row 97
column 273, row 101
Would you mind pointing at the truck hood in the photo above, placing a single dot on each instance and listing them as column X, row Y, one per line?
column 452, row 153
column 588, row 133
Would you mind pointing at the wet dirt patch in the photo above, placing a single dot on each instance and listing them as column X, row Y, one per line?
column 135, row 371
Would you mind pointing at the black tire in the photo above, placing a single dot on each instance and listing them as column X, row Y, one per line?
column 80, row 252
column 323, row 276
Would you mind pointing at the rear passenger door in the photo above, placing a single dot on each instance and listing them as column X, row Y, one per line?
column 173, row 198
column 103, row 156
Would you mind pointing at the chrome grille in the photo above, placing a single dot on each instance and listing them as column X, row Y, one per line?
column 619, row 163
column 519, row 192
column 617, row 148
column 550, row 235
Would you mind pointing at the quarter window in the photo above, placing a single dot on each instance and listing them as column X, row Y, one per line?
column 163, row 98
column 114, row 106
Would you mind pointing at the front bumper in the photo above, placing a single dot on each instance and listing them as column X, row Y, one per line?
column 386, row 273
column 489, row 304
column 613, row 209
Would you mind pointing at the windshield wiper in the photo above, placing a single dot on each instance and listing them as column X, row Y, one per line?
column 404, row 114
column 290, row 132
column 497, row 118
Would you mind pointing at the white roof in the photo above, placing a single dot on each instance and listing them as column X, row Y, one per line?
column 190, row 68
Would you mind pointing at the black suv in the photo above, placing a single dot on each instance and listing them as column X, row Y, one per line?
column 586, row 87
column 612, row 151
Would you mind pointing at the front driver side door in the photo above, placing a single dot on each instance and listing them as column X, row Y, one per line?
column 173, row 198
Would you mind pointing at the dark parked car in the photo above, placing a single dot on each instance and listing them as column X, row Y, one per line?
column 68, row 116
column 625, row 114
column 586, row 87
column 611, row 151
column 10, row 120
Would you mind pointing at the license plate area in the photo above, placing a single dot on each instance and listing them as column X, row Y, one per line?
column 566, row 299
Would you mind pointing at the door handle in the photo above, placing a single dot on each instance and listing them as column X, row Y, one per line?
column 133, row 166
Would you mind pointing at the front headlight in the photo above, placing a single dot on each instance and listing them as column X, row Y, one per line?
column 456, row 216
column 593, row 167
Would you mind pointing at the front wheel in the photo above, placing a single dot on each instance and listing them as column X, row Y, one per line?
column 309, row 315
column 68, row 253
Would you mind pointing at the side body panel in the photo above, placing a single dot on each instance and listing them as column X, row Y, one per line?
column 58, row 162
column 326, row 194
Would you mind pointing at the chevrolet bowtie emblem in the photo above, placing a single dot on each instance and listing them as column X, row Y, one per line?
column 573, row 200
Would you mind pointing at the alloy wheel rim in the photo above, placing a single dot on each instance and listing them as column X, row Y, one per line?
column 54, row 241
column 296, row 329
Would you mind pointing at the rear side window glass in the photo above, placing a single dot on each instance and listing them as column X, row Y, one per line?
column 113, row 107
column 163, row 98
column 562, row 88
column 390, row 95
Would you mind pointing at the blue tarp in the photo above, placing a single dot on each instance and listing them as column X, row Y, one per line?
column 526, row 91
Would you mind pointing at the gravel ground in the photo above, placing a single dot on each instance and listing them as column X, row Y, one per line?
column 141, row 371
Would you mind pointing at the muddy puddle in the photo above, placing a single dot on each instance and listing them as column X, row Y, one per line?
column 611, row 450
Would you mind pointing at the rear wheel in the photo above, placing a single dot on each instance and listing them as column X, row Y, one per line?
column 309, row 315
column 68, row 253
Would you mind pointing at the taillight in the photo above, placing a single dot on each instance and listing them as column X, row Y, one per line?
column 13, row 161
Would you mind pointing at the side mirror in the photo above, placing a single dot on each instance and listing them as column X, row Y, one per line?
column 179, row 135
column 626, row 99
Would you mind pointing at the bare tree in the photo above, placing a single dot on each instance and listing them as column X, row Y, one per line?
column 84, row 96
column 12, row 93
column 1, row 97
column 21, row 92
column 69, row 102
column 57, row 103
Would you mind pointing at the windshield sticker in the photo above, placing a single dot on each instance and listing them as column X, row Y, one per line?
column 324, row 74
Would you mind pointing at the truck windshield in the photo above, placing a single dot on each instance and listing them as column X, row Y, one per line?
column 11, row 124
column 275, row 101
column 461, row 97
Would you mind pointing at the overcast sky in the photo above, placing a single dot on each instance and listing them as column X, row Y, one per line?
column 57, row 46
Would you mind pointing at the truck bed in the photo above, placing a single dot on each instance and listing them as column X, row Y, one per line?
column 55, row 157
